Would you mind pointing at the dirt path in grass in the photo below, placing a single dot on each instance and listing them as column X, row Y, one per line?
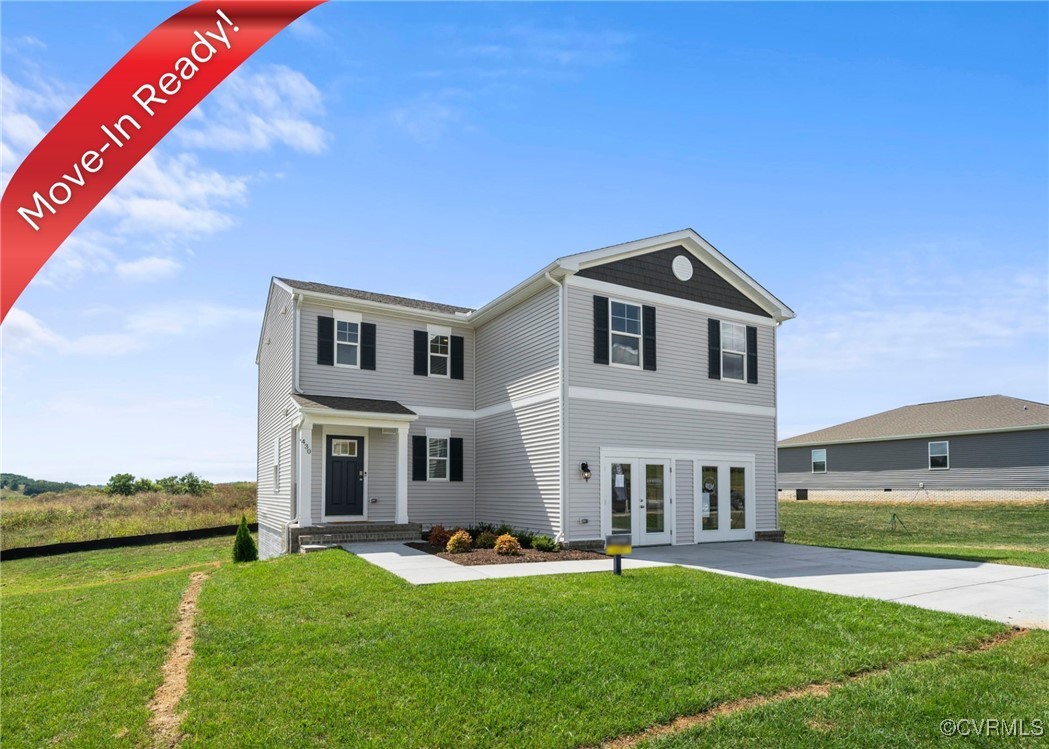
column 165, row 721
column 686, row 722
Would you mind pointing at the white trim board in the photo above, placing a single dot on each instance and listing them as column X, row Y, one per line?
column 721, row 313
column 515, row 404
column 667, row 401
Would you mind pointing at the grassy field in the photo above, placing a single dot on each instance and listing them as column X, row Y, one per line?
column 1003, row 532
column 550, row 661
column 84, row 514
column 326, row 650
column 901, row 708
column 84, row 638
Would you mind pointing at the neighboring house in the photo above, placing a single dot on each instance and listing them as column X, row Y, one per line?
column 631, row 388
column 992, row 447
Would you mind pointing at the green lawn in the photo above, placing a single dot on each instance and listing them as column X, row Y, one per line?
column 326, row 650
column 1003, row 532
column 901, row 708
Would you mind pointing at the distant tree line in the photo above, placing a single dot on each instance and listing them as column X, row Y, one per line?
column 32, row 487
column 126, row 484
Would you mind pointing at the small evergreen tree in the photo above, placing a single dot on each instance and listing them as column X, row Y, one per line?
column 244, row 549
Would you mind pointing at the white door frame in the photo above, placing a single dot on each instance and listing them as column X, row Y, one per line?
column 723, row 463
column 338, row 431
column 637, row 459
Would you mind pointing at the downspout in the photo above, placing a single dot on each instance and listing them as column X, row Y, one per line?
column 296, row 303
column 561, row 401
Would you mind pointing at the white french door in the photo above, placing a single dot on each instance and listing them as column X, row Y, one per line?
column 724, row 497
column 638, row 495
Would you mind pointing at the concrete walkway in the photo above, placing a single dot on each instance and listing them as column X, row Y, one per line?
column 1013, row 595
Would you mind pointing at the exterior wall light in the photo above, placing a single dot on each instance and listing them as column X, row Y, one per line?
column 585, row 469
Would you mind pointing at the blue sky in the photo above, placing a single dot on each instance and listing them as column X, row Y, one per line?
column 882, row 168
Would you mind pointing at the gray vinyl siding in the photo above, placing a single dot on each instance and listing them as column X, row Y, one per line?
column 517, row 352
column 1008, row 460
column 274, row 396
column 593, row 425
column 392, row 378
column 518, row 462
column 681, row 346
column 518, row 458
column 685, row 499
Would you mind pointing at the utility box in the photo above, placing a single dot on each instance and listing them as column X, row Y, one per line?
column 802, row 494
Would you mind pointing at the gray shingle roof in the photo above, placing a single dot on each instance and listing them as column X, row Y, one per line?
column 361, row 405
column 370, row 296
column 988, row 412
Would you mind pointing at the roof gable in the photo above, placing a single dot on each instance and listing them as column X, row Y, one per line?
column 654, row 272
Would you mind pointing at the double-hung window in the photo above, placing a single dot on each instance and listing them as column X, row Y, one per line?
column 733, row 351
column 440, row 343
column 819, row 460
column 939, row 456
column 437, row 454
column 625, row 332
column 347, row 339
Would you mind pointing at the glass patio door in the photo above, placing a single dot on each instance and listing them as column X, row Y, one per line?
column 724, row 500
column 641, row 500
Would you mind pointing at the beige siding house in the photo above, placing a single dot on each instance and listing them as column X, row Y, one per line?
column 630, row 389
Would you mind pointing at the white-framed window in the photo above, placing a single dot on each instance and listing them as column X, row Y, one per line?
column 733, row 351
column 440, row 350
column 939, row 456
column 276, row 464
column 344, row 448
column 437, row 454
column 347, row 339
column 624, row 332
column 819, row 460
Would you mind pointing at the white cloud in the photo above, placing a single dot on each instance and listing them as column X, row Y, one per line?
column 256, row 109
column 23, row 332
column 430, row 115
column 147, row 269
column 307, row 30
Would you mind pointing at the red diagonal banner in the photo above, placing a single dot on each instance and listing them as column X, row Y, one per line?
column 119, row 121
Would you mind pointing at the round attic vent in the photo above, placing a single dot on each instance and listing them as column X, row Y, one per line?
column 682, row 267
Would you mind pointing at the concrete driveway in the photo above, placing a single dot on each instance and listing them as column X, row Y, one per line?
column 1013, row 595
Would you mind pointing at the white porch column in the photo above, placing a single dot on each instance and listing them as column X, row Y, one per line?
column 305, row 497
column 402, row 474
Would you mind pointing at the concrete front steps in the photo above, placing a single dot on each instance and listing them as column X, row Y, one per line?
column 320, row 537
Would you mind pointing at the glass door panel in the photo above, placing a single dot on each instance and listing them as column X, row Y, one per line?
column 738, row 497
column 655, row 499
column 621, row 498
column 709, row 497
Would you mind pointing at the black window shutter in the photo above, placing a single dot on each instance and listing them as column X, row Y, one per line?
column 419, row 458
column 648, row 337
column 752, row 355
column 714, row 349
column 326, row 340
column 455, row 459
column 457, row 357
column 367, row 345
column 600, row 330
column 422, row 350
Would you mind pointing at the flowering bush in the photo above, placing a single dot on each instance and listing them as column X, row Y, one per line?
column 459, row 543
column 507, row 545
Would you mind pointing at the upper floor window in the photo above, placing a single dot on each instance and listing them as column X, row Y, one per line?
column 439, row 352
column 939, row 455
column 733, row 351
column 625, row 332
column 347, row 339
column 819, row 461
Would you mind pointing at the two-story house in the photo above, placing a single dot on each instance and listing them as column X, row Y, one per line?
column 630, row 389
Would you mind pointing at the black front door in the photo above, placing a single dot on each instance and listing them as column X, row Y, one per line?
column 344, row 494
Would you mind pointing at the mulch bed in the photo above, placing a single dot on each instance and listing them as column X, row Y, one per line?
column 488, row 556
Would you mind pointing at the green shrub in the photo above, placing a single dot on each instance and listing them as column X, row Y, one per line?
column 524, row 538
column 507, row 545
column 244, row 549
column 476, row 530
column 438, row 536
column 121, row 483
column 544, row 543
column 459, row 543
column 144, row 485
column 485, row 540
column 195, row 485
column 503, row 530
